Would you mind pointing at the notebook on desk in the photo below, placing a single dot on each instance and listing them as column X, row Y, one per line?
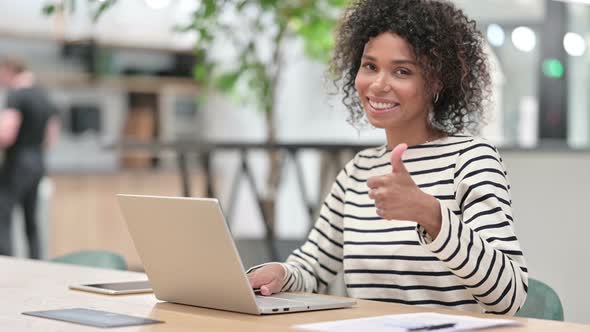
column 190, row 258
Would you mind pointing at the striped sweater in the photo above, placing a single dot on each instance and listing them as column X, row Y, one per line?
column 474, row 264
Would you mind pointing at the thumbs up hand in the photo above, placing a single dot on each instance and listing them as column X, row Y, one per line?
column 397, row 197
column 397, row 165
column 393, row 193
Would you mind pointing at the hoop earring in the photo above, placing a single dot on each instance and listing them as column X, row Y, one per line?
column 436, row 97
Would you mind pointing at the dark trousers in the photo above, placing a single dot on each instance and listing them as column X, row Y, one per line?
column 20, row 175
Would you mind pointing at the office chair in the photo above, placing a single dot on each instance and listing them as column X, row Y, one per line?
column 94, row 258
column 542, row 302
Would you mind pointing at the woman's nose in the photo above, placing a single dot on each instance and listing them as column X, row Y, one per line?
column 381, row 84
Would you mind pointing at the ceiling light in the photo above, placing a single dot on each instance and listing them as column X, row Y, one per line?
column 524, row 39
column 495, row 35
column 574, row 44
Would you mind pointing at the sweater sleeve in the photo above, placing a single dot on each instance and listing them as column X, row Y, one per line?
column 478, row 243
column 313, row 266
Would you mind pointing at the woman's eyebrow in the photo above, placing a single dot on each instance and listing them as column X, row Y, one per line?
column 394, row 61
column 403, row 62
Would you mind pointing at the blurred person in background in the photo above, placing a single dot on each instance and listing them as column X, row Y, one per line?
column 28, row 124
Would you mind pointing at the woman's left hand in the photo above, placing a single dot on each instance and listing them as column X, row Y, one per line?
column 397, row 197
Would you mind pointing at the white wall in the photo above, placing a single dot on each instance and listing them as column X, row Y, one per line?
column 578, row 79
column 503, row 10
column 552, row 214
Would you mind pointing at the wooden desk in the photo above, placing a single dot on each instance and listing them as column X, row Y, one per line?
column 27, row 285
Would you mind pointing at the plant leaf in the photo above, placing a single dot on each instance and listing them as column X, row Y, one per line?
column 49, row 9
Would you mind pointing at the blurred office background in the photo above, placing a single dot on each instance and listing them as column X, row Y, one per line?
column 130, row 76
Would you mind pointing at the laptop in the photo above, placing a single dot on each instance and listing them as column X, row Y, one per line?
column 190, row 258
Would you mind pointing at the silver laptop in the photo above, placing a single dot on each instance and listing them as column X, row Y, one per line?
column 190, row 258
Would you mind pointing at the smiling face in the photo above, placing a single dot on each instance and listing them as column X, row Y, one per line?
column 391, row 87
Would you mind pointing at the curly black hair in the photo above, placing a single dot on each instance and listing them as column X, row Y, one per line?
column 447, row 45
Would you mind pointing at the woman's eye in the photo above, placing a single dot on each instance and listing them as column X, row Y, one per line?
column 402, row 72
column 369, row 66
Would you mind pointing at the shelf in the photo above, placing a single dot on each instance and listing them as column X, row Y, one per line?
column 84, row 41
column 132, row 83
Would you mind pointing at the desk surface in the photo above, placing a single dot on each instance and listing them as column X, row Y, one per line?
column 27, row 285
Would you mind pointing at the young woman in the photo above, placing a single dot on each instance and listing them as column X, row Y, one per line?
column 425, row 219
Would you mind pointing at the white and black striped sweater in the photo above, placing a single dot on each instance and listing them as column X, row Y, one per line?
column 474, row 264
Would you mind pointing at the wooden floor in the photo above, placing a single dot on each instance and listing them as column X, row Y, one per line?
column 84, row 213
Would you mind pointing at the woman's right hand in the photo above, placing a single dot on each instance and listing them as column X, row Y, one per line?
column 268, row 278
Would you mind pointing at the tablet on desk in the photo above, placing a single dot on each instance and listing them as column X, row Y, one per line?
column 90, row 317
column 116, row 288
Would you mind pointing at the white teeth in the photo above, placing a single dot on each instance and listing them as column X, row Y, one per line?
column 381, row 106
